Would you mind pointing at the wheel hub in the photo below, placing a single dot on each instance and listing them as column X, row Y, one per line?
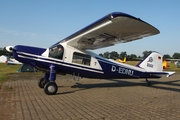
column 51, row 89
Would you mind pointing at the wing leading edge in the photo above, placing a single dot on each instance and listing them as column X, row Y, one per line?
column 112, row 29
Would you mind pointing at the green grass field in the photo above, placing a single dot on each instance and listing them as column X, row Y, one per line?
column 8, row 69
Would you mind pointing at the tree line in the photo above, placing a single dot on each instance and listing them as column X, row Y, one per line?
column 114, row 55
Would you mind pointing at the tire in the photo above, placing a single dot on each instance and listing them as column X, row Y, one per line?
column 42, row 82
column 50, row 88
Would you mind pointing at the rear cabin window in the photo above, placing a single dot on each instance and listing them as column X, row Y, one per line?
column 56, row 52
column 81, row 58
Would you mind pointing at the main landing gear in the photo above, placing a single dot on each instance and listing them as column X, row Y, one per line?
column 42, row 82
column 50, row 88
column 48, row 82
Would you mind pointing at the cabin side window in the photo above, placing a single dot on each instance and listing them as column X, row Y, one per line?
column 81, row 58
column 56, row 52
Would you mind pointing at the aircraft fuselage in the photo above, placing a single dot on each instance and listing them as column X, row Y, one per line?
column 72, row 63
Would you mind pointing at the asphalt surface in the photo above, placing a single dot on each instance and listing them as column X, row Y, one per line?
column 90, row 99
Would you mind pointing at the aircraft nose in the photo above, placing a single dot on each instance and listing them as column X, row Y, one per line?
column 9, row 48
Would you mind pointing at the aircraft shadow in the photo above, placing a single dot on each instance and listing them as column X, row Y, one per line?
column 169, row 85
column 99, row 85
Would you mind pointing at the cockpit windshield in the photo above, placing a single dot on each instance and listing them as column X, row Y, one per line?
column 56, row 52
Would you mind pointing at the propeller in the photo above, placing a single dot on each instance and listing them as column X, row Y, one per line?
column 9, row 48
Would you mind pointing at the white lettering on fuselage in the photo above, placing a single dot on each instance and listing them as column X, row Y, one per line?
column 122, row 70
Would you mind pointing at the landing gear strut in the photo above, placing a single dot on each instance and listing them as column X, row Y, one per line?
column 48, row 82
column 149, row 83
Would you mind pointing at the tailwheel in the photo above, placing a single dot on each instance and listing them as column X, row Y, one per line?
column 42, row 82
column 50, row 88
column 149, row 83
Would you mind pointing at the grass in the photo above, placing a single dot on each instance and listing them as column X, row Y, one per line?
column 173, row 67
column 7, row 69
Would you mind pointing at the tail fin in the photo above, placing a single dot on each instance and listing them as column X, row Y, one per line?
column 153, row 62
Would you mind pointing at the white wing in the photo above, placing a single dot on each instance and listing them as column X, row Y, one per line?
column 112, row 29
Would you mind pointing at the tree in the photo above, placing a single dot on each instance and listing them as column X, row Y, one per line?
column 166, row 56
column 122, row 55
column 146, row 53
column 133, row 57
column 106, row 55
column 176, row 56
column 114, row 55
column 101, row 55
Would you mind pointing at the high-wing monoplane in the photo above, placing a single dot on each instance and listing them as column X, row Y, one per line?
column 73, row 54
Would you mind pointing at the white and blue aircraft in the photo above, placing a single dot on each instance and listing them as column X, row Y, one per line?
column 76, row 59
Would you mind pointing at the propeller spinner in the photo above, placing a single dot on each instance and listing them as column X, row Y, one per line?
column 9, row 48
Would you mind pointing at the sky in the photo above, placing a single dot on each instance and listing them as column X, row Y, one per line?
column 42, row 23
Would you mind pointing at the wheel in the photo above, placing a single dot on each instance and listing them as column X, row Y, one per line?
column 42, row 82
column 50, row 88
column 149, row 83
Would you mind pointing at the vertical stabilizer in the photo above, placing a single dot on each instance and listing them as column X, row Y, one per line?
column 153, row 62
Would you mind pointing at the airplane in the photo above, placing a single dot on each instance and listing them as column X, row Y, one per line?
column 77, row 58
column 12, row 61
column 122, row 61
column 165, row 64
column 173, row 60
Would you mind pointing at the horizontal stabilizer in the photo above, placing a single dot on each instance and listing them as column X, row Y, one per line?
column 157, row 73
column 169, row 73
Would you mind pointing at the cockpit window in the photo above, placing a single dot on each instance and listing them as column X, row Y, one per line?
column 81, row 58
column 56, row 52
